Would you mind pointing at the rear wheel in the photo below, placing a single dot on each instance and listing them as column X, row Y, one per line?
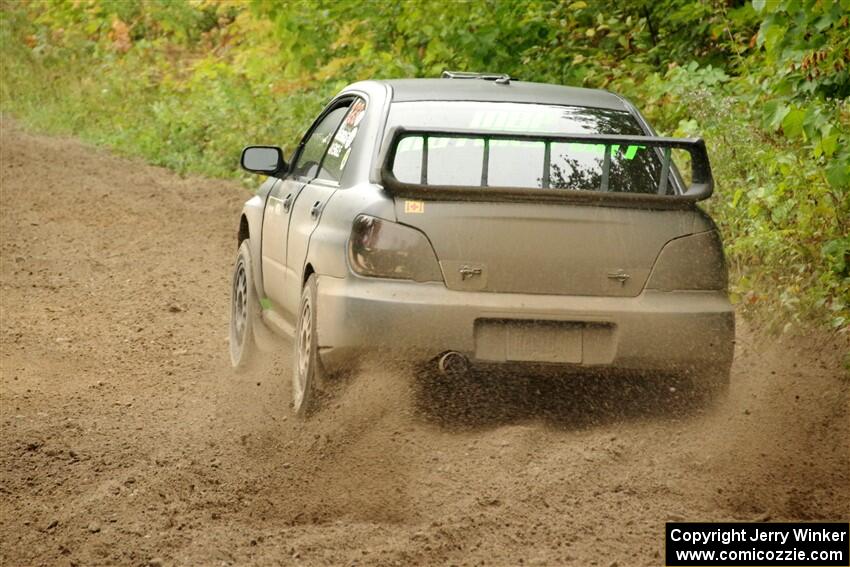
column 307, row 371
column 244, row 311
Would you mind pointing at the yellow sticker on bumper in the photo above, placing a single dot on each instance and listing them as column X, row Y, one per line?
column 414, row 207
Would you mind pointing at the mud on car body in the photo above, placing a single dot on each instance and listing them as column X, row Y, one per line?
column 478, row 220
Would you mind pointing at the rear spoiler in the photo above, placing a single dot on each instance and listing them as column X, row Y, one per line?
column 700, row 188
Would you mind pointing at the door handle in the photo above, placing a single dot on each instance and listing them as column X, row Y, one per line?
column 287, row 203
column 316, row 209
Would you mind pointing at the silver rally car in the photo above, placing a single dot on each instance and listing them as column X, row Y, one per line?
column 475, row 220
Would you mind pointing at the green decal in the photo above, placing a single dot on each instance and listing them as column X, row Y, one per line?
column 266, row 303
column 632, row 150
column 598, row 149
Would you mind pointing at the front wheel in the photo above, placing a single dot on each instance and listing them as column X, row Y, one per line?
column 307, row 372
column 244, row 311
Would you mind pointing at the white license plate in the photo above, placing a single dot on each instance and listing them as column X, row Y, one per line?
column 528, row 341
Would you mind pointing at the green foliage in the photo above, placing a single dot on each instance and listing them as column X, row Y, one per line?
column 186, row 83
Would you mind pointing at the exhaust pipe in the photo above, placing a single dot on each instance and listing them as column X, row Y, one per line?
column 452, row 364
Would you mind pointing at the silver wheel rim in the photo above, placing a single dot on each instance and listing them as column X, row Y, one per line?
column 305, row 345
column 239, row 313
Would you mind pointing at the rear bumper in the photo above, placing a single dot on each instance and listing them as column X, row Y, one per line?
column 416, row 321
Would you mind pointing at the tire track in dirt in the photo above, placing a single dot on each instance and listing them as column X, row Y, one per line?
column 126, row 440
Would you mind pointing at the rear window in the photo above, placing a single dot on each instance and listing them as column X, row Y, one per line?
column 517, row 163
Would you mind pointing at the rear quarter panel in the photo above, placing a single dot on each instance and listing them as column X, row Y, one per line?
column 329, row 242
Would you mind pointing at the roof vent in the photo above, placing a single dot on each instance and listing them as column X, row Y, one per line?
column 498, row 78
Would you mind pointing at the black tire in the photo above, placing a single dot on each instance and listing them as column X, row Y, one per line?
column 244, row 312
column 307, row 371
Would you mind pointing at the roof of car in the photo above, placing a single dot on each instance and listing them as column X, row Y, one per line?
column 405, row 90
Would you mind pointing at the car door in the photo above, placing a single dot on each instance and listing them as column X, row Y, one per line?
column 307, row 209
column 275, row 225
column 284, row 194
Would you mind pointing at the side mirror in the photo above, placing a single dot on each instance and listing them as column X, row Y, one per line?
column 267, row 160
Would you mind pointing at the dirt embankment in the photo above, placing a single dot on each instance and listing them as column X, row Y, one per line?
column 126, row 439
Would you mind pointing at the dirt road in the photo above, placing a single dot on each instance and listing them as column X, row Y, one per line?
column 126, row 439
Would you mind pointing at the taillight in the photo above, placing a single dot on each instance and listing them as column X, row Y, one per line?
column 692, row 262
column 384, row 249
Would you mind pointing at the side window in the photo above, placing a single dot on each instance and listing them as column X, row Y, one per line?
column 340, row 148
column 311, row 155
